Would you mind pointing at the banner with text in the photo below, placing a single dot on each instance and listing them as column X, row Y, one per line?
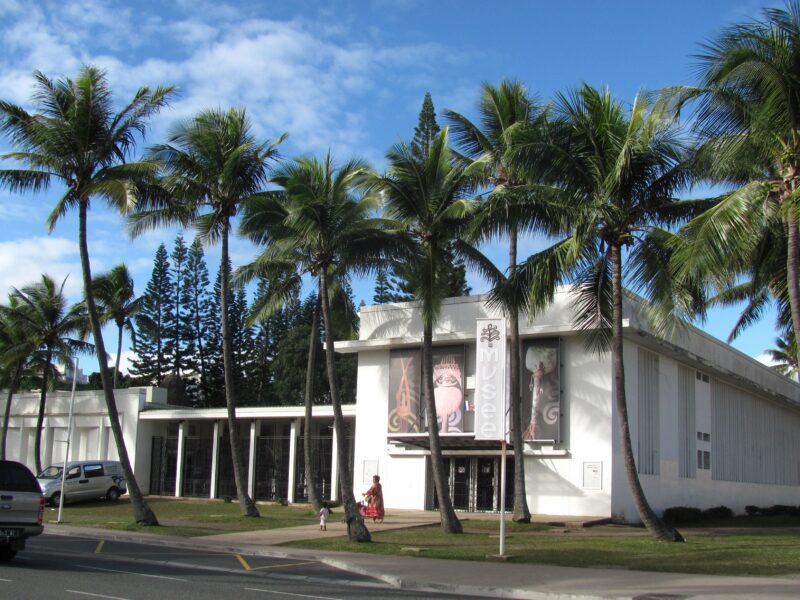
column 490, row 380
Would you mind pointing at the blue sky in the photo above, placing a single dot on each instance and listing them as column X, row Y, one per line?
column 346, row 75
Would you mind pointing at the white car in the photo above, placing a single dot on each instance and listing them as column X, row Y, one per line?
column 21, row 508
column 85, row 480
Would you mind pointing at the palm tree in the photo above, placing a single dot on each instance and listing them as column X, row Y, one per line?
column 622, row 169
column 511, row 207
column 784, row 356
column 430, row 195
column 51, row 323
column 212, row 166
column 16, row 351
column 318, row 225
column 748, row 114
column 77, row 138
column 118, row 302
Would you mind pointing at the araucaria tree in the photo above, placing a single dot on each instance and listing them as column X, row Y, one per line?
column 319, row 225
column 622, row 169
column 79, row 139
column 211, row 166
column 431, row 197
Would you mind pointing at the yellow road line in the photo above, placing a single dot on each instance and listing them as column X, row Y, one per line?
column 296, row 564
column 244, row 562
column 99, row 548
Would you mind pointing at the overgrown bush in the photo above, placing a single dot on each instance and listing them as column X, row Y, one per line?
column 682, row 514
column 777, row 510
column 751, row 510
column 718, row 512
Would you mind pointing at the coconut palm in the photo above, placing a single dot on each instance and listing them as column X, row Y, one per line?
column 511, row 208
column 16, row 351
column 118, row 303
column 622, row 169
column 319, row 225
column 55, row 328
column 431, row 196
column 748, row 116
column 212, row 166
column 78, row 139
column 784, row 356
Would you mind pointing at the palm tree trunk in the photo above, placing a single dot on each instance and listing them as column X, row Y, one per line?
column 246, row 503
column 37, row 451
column 356, row 529
column 141, row 511
column 447, row 515
column 793, row 286
column 655, row 525
column 12, row 386
column 308, row 465
column 119, row 353
column 521, row 512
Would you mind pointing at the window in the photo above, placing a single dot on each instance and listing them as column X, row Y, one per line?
column 93, row 470
column 648, row 460
column 686, row 422
column 74, row 472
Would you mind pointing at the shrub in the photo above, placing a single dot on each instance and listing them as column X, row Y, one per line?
column 751, row 510
column 718, row 512
column 777, row 510
column 682, row 514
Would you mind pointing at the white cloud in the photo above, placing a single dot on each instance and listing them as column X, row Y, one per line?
column 765, row 359
column 24, row 261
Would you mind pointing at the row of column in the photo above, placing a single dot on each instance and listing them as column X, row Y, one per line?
column 296, row 427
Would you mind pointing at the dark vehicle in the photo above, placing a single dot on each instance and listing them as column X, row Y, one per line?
column 21, row 508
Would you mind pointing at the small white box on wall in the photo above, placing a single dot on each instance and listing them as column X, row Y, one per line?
column 593, row 475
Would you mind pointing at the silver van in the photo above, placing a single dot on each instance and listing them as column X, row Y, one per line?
column 85, row 480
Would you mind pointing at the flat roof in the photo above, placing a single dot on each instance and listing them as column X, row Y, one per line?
column 172, row 413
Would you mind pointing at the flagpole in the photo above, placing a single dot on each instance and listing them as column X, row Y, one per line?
column 503, row 498
column 69, row 436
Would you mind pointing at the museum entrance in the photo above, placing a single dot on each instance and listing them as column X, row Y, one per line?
column 474, row 483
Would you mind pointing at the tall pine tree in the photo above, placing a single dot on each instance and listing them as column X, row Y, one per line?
column 200, row 318
column 426, row 130
column 153, row 362
column 177, row 341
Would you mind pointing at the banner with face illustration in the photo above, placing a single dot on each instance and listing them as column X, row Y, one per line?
column 541, row 390
column 404, row 391
column 448, row 388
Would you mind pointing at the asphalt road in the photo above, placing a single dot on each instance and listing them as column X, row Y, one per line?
column 61, row 567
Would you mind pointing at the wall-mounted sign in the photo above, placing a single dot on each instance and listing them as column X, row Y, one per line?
column 404, row 396
column 541, row 391
column 593, row 475
column 490, row 380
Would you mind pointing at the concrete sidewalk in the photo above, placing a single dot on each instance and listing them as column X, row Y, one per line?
column 466, row 578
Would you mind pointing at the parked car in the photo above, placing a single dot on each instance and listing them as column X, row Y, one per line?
column 21, row 508
column 85, row 480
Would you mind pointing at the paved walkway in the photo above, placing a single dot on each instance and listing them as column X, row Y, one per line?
column 485, row 579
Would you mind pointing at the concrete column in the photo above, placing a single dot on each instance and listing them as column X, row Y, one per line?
column 214, row 461
column 179, row 468
column 334, row 468
column 251, row 470
column 101, row 452
column 292, row 459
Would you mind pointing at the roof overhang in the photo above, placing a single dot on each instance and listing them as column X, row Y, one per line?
column 246, row 412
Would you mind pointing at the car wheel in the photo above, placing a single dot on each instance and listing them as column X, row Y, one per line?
column 6, row 553
column 55, row 499
column 112, row 495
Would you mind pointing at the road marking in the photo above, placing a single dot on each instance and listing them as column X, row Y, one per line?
column 132, row 573
column 291, row 594
column 95, row 595
column 7, row 580
column 241, row 559
column 99, row 548
column 295, row 564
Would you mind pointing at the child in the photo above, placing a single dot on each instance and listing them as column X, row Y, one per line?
column 324, row 513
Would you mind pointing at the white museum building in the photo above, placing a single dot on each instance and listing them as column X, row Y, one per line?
column 709, row 425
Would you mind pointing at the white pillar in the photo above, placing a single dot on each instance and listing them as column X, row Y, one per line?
column 179, row 467
column 101, row 452
column 251, row 470
column 214, row 461
column 334, row 467
column 292, row 459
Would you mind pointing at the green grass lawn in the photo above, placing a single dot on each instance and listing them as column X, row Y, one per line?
column 748, row 546
column 181, row 517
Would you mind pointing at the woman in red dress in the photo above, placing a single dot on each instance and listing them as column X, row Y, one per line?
column 374, row 499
